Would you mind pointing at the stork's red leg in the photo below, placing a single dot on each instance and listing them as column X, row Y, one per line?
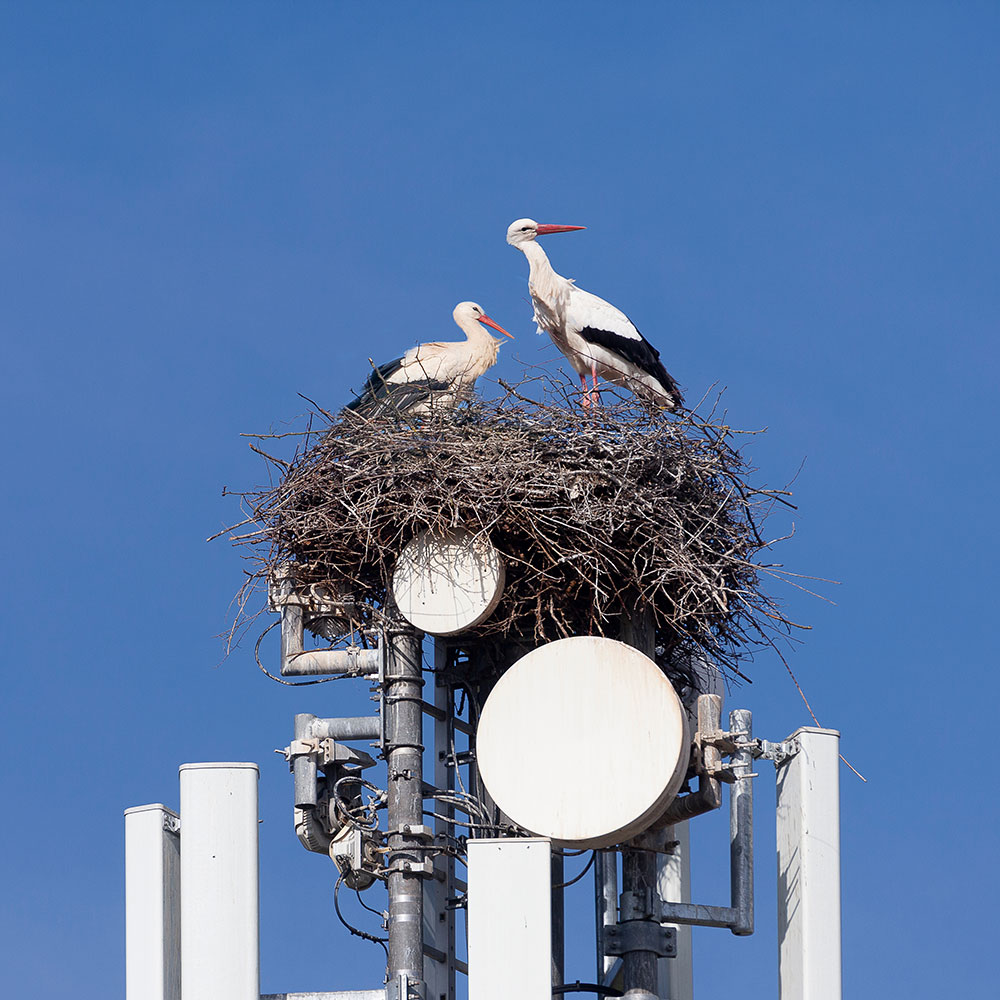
column 584, row 399
column 593, row 374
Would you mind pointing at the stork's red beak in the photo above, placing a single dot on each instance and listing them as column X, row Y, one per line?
column 496, row 326
column 545, row 230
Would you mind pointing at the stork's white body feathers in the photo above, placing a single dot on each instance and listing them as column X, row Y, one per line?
column 459, row 363
column 597, row 338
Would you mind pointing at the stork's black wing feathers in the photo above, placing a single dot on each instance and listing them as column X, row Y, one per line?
column 377, row 381
column 640, row 352
column 380, row 396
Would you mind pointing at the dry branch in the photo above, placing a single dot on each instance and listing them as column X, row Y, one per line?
column 596, row 513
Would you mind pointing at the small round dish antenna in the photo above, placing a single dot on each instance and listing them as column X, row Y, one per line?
column 584, row 741
column 444, row 584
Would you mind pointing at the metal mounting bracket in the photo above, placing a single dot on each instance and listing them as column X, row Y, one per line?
column 640, row 935
column 417, row 830
column 778, row 752
column 404, row 988
column 425, row 868
column 326, row 751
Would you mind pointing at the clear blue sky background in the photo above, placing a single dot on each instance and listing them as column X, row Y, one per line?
column 210, row 207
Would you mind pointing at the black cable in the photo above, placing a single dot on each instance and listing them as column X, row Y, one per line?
column 256, row 656
column 378, row 913
column 576, row 878
column 354, row 930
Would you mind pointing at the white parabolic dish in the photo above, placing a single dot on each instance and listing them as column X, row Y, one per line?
column 583, row 740
column 443, row 584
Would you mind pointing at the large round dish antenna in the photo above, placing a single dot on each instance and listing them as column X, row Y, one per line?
column 444, row 584
column 583, row 740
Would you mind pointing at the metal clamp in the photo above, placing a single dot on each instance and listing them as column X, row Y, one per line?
column 404, row 987
column 423, row 868
column 724, row 742
column 578, row 987
column 416, row 830
column 778, row 752
column 640, row 935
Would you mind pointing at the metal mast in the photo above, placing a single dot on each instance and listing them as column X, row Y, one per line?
column 403, row 701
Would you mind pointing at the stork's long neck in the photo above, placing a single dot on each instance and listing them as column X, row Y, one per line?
column 483, row 346
column 474, row 332
column 543, row 281
column 541, row 271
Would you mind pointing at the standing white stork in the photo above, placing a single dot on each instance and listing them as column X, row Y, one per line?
column 596, row 338
column 435, row 374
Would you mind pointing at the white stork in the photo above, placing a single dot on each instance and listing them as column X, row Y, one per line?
column 596, row 338
column 435, row 374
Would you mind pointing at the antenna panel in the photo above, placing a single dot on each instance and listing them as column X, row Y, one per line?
column 444, row 584
column 584, row 741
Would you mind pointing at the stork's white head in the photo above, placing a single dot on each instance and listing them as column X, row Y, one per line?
column 467, row 313
column 526, row 230
column 521, row 231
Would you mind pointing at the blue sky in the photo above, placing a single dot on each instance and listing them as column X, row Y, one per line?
column 209, row 208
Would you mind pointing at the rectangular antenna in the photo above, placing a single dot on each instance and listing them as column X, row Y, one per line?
column 808, row 829
column 219, row 882
column 152, row 904
column 510, row 930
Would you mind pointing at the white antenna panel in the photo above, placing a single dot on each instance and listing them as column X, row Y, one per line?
column 444, row 584
column 584, row 741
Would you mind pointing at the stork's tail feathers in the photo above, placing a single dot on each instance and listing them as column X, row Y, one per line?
column 673, row 401
column 395, row 397
column 671, row 397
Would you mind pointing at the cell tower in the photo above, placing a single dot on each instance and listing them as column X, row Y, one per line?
column 491, row 754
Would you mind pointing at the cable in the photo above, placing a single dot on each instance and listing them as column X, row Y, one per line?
column 459, row 822
column 371, row 808
column 354, row 930
column 280, row 680
column 576, row 878
column 381, row 914
column 463, row 801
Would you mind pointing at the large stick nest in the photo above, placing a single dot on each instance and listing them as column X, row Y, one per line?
column 596, row 513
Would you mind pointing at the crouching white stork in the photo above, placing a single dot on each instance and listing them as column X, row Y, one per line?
column 596, row 338
column 433, row 375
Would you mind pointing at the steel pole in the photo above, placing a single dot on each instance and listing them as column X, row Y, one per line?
column 639, row 968
column 606, row 906
column 741, row 823
column 558, row 868
column 404, row 762
column 439, row 919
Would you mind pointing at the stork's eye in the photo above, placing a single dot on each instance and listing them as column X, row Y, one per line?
column 525, row 229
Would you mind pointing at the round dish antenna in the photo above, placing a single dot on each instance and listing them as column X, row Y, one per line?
column 583, row 740
column 444, row 584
